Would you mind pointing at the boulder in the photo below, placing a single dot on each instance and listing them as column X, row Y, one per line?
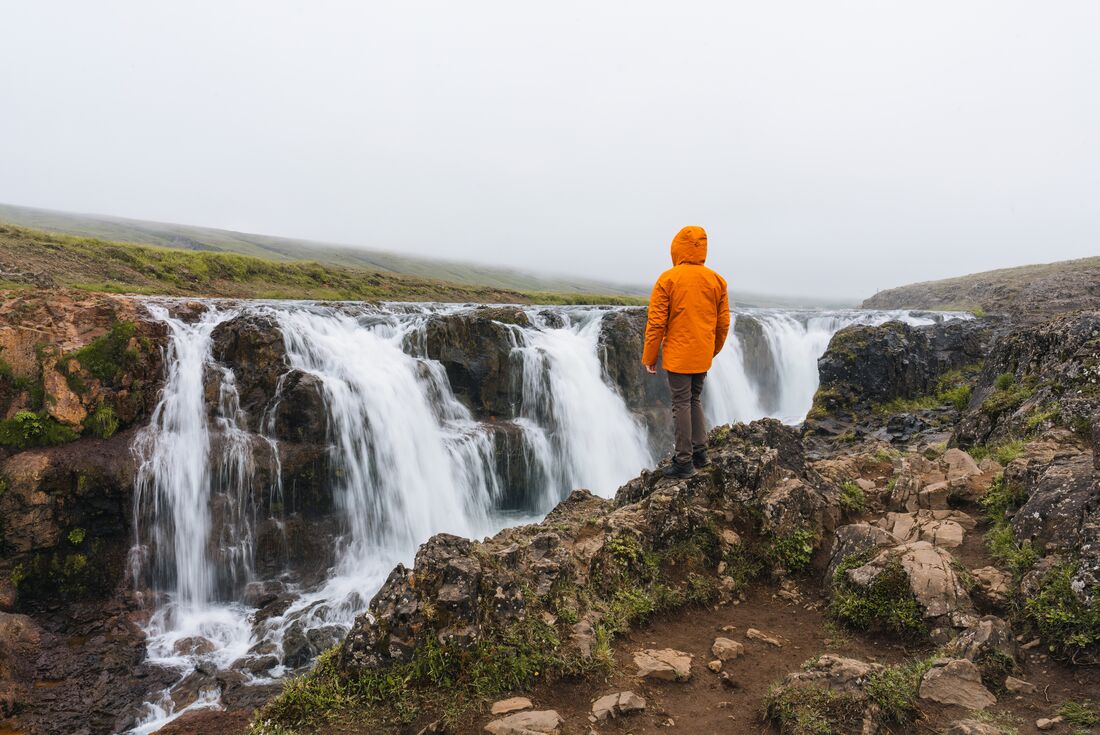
column 854, row 539
column 957, row 682
column 665, row 664
column 930, row 572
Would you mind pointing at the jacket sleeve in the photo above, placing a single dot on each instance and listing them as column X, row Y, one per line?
column 656, row 323
column 723, row 327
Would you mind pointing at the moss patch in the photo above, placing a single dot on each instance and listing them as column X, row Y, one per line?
column 887, row 605
column 29, row 429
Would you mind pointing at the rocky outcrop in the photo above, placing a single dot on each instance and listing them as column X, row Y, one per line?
column 461, row 592
column 475, row 349
column 1037, row 376
column 866, row 368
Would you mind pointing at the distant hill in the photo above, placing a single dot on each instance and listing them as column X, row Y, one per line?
column 1026, row 291
column 285, row 249
column 35, row 259
column 281, row 248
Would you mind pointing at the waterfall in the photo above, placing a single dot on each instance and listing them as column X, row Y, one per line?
column 580, row 433
column 408, row 459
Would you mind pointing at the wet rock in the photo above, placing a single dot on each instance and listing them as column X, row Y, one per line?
column 665, row 664
column 475, row 348
column 616, row 705
column 545, row 722
column 194, row 646
column 956, row 682
column 508, row 706
column 725, row 649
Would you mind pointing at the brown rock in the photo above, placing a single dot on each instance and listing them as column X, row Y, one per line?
column 543, row 722
column 508, row 706
column 725, row 649
column 665, row 664
column 959, row 682
column 755, row 635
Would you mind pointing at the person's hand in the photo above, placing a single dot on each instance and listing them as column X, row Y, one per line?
column 651, row 369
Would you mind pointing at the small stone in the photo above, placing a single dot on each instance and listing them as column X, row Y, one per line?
column 715, row 666
column 1048, row 723
column 508, row 706
column 665, row 664
column 545, row 722
column 614, row 705
column 725, row 649
column 730, row 538
column 1033, row 643
column 1019, row 686
column 756, row 635
column 972, row 727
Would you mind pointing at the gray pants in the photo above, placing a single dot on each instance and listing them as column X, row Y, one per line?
column 687, row 414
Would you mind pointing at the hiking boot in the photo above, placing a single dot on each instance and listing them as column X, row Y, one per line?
column 677, row 470
column 700, row 459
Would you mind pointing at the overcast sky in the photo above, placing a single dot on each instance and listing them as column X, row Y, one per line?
column 830, row 148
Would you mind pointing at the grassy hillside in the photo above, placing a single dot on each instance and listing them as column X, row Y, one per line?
column 31, row 258
column 279, row 248
column 1031, row 290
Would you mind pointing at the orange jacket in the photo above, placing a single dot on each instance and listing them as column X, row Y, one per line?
column 689, row 309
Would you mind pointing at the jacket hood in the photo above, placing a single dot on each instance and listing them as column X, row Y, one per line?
column 690, row 246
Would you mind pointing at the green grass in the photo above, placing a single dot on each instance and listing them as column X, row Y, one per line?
column 1082, row 714
column 998, row 505
column 1069, row 626
column 1008, row 394
column 852, row 498
column 122, row 267
column 27, row 429
column 952, row 389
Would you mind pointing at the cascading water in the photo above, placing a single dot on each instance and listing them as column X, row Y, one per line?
column 408, row 458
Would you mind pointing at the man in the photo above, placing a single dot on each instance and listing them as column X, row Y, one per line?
column 688, row 320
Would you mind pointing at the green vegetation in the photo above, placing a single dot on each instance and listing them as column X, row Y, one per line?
column 886, row 605
column 999, row 503
column 1065, row 621
column 1081, row 714
column 102, row 423
column 28, row 429
column 1008, row 394
column 794, row 550
column 106, row 357
column 813, row 710
column 952, row 389
column 1003, row 453
column 890, row 692
column 76, row 536
column 852, row 498
column 120, row 267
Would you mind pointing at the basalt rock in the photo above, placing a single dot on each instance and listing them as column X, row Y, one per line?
column 475, row 349
column 1036, row 377
column 463, row 592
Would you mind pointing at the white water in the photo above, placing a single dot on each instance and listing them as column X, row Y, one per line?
column 412, row 459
